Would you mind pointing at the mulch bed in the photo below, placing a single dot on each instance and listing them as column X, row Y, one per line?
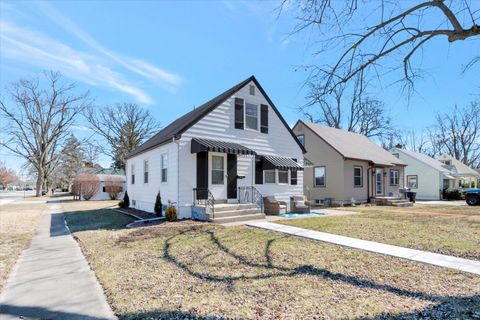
column 137, row 213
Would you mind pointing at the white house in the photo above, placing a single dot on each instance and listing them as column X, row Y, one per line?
column 106, row 177
column 425, row 175
column 463, row 174
column 233, row 149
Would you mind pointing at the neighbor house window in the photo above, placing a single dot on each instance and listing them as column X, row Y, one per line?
column 396, row 155
column 145, row 171
column 319, row 176
column 412, row 182
column 132, row 167
column 251, row 116
column 269, row 176
column 394, row 177
column 282, row 176
column 358, row 176
column 218, row 170
column 301, row 138
column 252, row 90
column 164, row 164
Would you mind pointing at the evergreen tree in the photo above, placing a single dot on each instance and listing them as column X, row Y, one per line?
column 158, row 205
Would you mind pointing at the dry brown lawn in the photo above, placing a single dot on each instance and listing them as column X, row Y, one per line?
column 180, row 271
column 452, row 230
column 18, row 221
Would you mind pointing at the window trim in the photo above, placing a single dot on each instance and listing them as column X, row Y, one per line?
column 162, row 158
column 303, row 137
column 361, row 176
column 245, row 116
column 324, row 177
column 278, row 177
column 274, row 176
column 145, row 171
column 398, row 178
column 412, row 175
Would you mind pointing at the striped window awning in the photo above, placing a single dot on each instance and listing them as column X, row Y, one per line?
column 282, row 163
column 201, row 144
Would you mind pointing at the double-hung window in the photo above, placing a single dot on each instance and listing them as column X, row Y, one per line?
column 251, row 116
column 358, row 176
column 145, row 171
column 164, row 165
column 218, row 170
column 270, row 176
column 394, row 177
column 319, row 177
column 132, row 168
column 283, row 176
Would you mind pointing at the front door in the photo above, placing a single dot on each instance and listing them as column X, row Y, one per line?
column 218, row 175
column 378, row 181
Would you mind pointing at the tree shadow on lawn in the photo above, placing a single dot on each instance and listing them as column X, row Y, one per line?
column 443, row 304
column 95, row 219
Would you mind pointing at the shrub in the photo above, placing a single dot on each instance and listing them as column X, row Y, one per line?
column 121, row 204
column 452, row 195
column 126, row 200
column 158, row 205
column 85, row 185
column 113, row 186
column 171, row 213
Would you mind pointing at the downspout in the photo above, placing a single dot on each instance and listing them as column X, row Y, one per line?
column 368, row 184
column 174, row 140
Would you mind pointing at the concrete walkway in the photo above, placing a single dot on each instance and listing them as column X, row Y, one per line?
column 51, row 279
column 436, row 259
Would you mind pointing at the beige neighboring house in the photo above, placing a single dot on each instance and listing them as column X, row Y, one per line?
column 462, row 173
column 345, row 167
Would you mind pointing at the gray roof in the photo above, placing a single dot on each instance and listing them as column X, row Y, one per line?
column 425, row 159
column 177, row 127
column 458, row 168
column 353, row 146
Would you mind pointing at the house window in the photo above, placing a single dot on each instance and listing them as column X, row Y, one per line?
column 319, row 176
column 218, row 170
column 412, row 182
column 251, row 116
column 301, row 138
column 269, row 176
column 145, row 171
column 394, row 177
column 282, row 176
column 252, row 90
column 396, row 155
column 358, row 176
column 164, row 164
column 133, row 173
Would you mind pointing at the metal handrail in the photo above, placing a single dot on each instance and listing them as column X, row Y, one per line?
column 206, row 199
column 250, row 194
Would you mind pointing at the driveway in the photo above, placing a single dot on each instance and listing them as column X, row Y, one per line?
column 443, row 203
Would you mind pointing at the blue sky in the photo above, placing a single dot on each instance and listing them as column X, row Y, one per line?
column 172, row 56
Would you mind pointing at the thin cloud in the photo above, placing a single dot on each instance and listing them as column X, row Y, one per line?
column 34, row 48
column 162, row 77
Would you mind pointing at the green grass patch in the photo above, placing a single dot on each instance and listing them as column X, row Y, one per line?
column 96, row 220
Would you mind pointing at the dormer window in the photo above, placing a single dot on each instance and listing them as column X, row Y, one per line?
column 252, row 90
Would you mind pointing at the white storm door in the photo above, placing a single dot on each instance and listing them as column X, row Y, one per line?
column 379, row 181
column 217, row 180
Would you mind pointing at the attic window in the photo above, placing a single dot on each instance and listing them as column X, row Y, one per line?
column 252, row 90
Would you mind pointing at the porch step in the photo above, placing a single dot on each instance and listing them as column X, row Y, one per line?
column 233, row 206
column 392, row 201
column 237, row 212
column 239, row 218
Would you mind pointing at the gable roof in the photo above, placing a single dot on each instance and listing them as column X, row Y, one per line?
column 180, row 125
column 352, row 145
column 458, row 168
column 434, row 163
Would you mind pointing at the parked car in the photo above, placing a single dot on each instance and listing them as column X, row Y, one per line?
column 472, row 197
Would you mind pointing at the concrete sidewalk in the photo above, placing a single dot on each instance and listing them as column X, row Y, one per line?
column 466, row 265
column 51, row 279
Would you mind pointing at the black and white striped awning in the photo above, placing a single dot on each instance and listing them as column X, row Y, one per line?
column 282, row 163
column 201, row 144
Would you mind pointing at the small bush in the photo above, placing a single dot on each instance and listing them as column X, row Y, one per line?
column 171, row 213
column 158, row 205
column 121, row 204
column 452, row 195
column 126, row 200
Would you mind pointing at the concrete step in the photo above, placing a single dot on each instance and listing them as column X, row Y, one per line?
column 233, row 206
column 403, row 204
column 239, row 218
column 232, row 213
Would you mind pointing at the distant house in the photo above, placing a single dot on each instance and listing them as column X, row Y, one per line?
column 108, row 178
column 345, row 167
column 463, row 174
column 425, row 175
column 233, row 149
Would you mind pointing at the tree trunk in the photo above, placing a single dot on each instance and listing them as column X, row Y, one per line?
column 39, row 185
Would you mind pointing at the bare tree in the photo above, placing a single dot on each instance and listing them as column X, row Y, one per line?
column 113, row 186
column 7, row 176
column 458, row 133
column 395, row 32
column 85, row 186
column 39, row 119
column 70, row 162
column 124, row 126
